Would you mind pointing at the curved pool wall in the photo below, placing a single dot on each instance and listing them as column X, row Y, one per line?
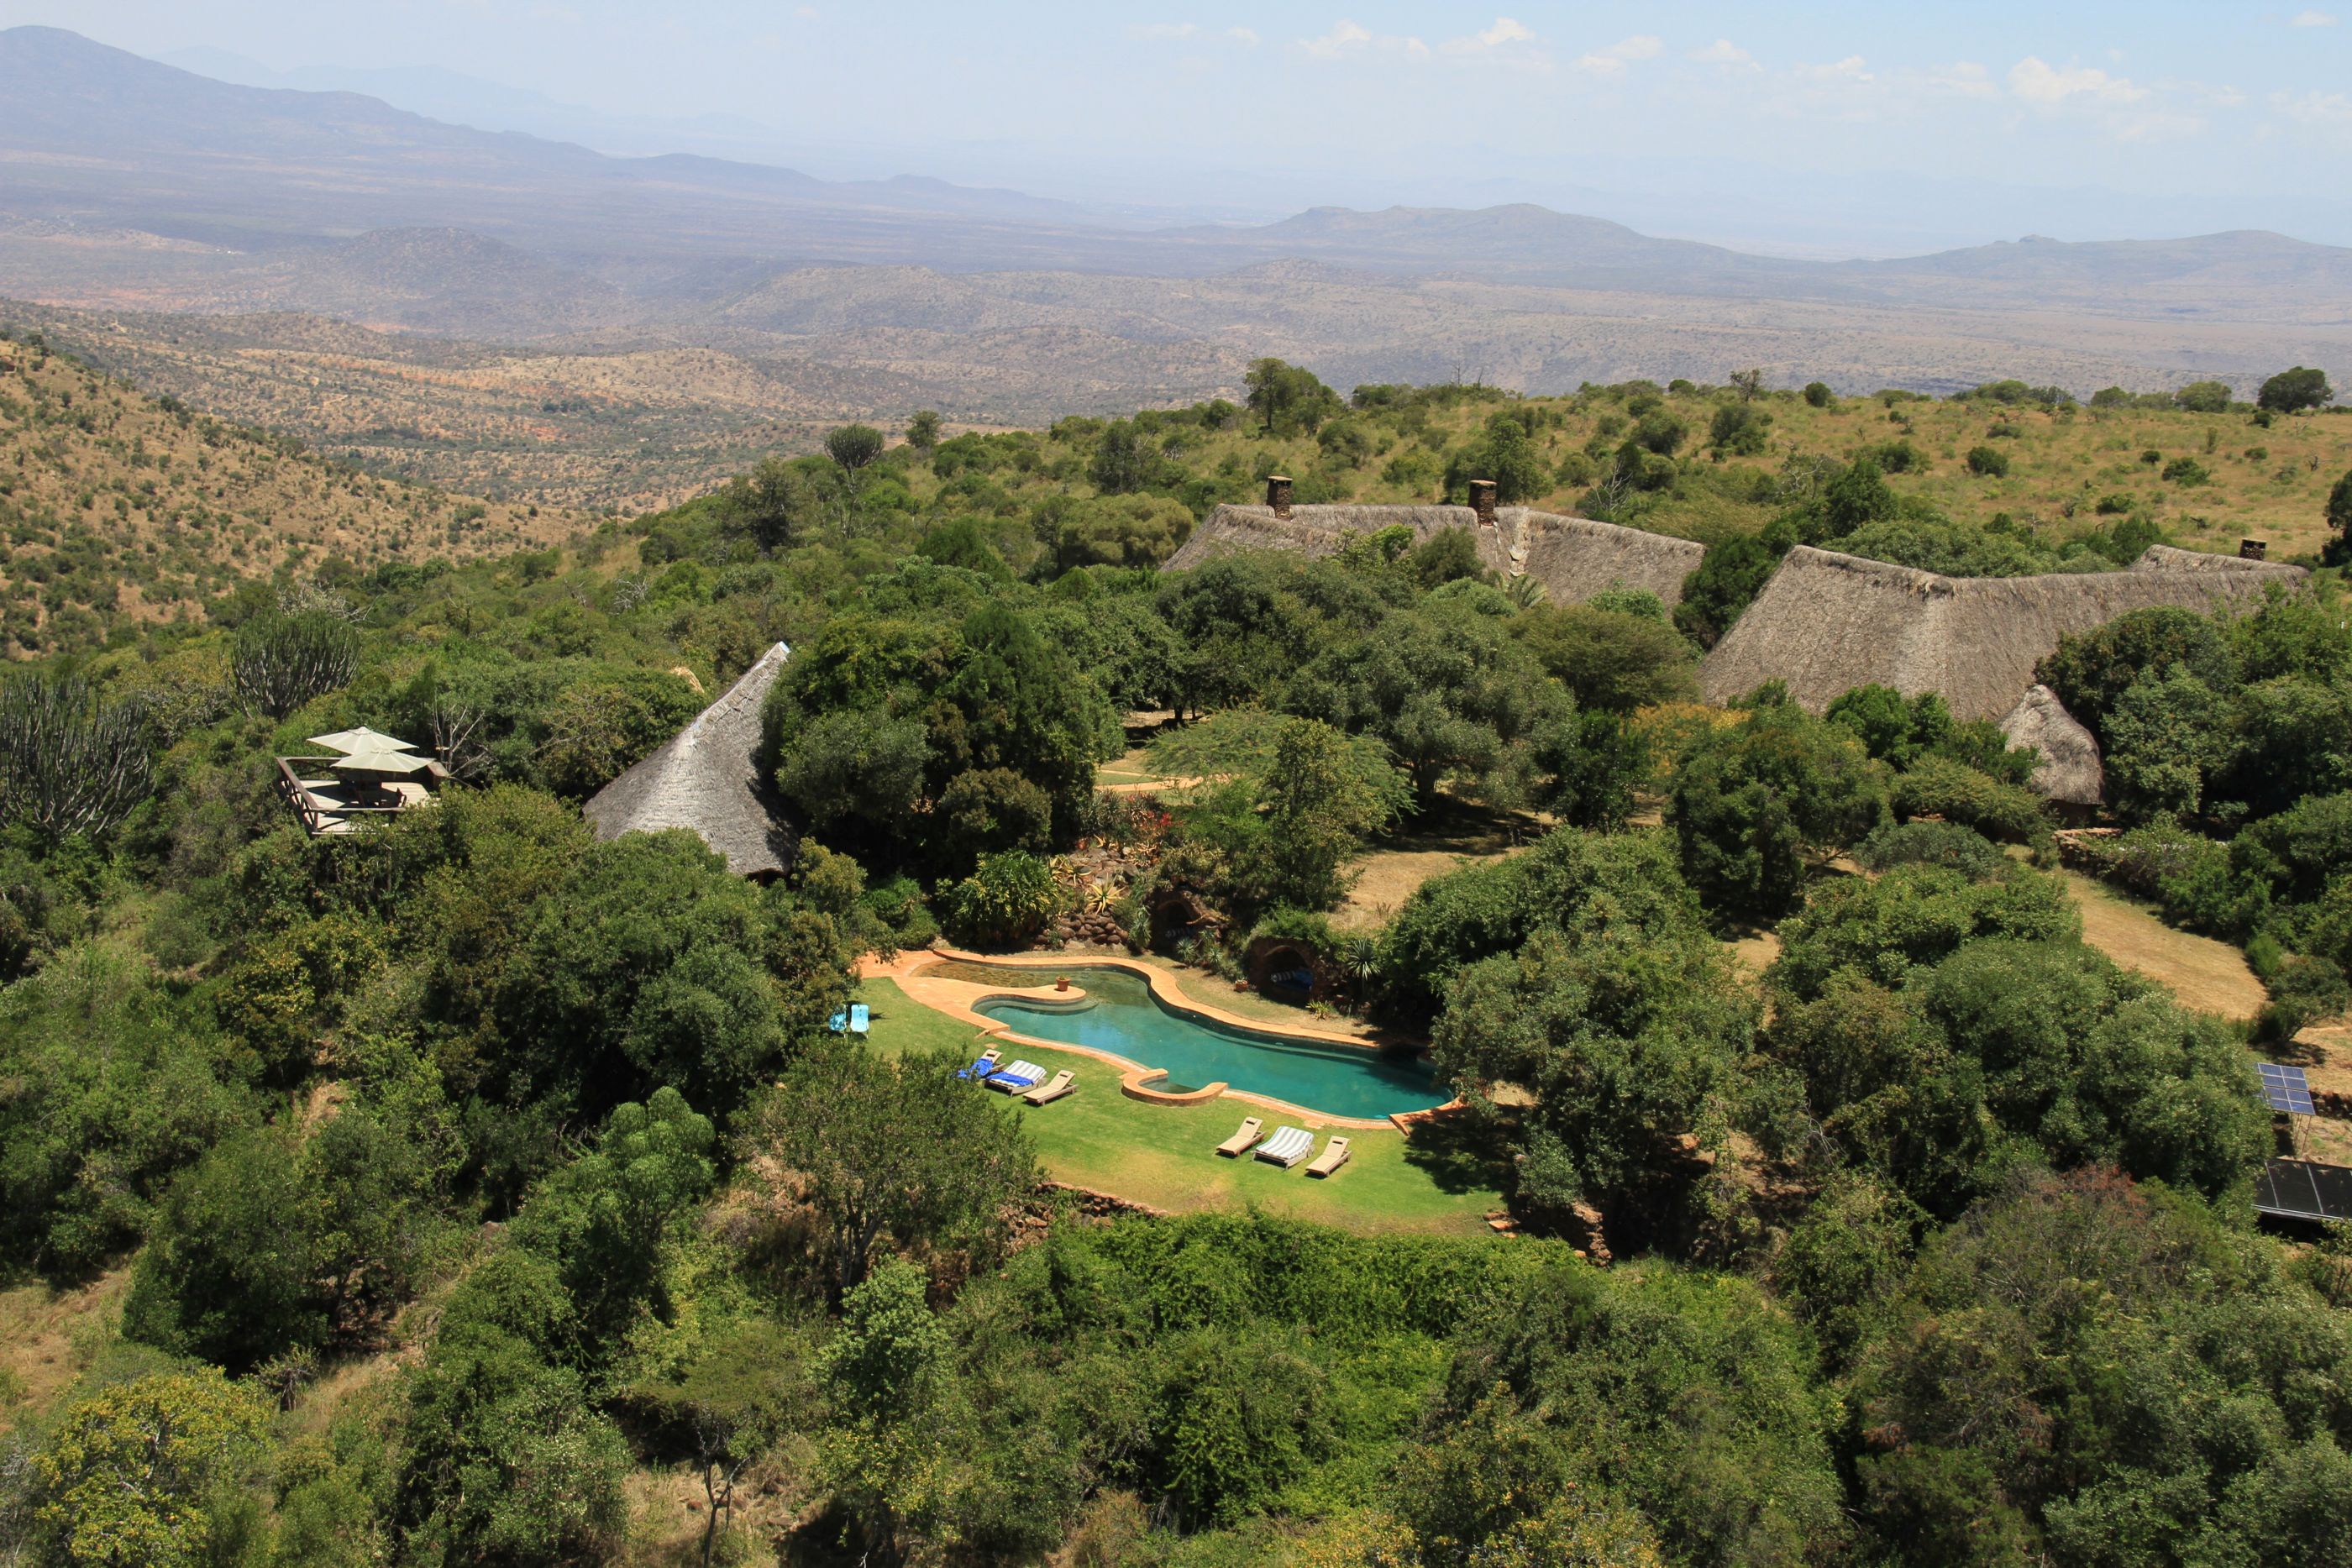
column 1121, row 1016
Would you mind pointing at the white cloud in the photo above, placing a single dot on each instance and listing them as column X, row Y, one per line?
column 1966, row 79
column 1345, row 40
column 1724, row 52
column 1177, row 31
column 2036, row 80
column 1505, row 31
column 2311, row 19
column 1853, row 69
column 2314, row 107
column 1612, row 60
column 1508, row 41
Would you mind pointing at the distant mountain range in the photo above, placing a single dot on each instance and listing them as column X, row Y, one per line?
column 136, row 190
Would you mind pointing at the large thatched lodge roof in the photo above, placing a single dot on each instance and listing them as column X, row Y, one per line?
column 1827, row 622
column 706, row 778
column 1573, row 557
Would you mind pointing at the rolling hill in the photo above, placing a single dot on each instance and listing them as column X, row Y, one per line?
column 116, row 507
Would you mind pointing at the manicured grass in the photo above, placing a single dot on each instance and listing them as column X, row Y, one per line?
column 1163, row 1155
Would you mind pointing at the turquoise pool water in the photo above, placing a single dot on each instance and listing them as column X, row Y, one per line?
column 1121, row 1016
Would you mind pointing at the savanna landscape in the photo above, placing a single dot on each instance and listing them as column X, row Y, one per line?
column 1002, row 887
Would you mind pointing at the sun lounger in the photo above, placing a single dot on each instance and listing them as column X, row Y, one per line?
column 1063, row 1081
column 1287, row 1147
column 860, row 1018
column 1334, row 1155
column 1232, row 1147
column 838, row 1022
column 1016, row 1078
column 983, row 1067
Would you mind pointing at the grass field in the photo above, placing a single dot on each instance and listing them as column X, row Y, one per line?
column 1163, row 1155
column 2211, row 977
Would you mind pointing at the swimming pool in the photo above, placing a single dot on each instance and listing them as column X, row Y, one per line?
column 1120, row 1015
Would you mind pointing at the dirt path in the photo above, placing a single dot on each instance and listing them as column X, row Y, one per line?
column 2209, row 976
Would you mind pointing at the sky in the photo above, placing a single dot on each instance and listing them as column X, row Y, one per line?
column 1830, row 128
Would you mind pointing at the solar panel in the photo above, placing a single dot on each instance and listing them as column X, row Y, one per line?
column 2286, row 1088
column 2304, row 1190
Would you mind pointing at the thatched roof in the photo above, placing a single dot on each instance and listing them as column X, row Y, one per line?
column 2071, row 772
column 1312, row 531
column 1827, row 622
column 1576, row 557
column 705, row 779
column 1573, row 557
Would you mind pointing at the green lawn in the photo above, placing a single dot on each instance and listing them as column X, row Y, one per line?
column 1163, row 1155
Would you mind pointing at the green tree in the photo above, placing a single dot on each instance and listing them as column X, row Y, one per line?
column 1855, row 497
column 70, row 763
column 776, row 504
column 1505, row 453
column 1759, row 800
column 233, row 1271
column 1286, row 397
column 136, row 1474
column 602, row 1219
column 650, row 964
column 2090, row 670
column 281, row 662
column 1443, row 686
column 1608, row 659
column 2339, row 517
column 1627, row 1044
column 1818, row 396
column 2294, row 390
column 2204, row 397
column 1989, row 462
column 895, row 1149
column 1723, row 583
column 504, row 1462
column 890, row 1345
column 923, row 430
column 2068, row 1317
column 1739, row 428
column 1319, row 807
column 853, row 447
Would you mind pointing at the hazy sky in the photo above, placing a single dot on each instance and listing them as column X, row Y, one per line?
column 1363, row 103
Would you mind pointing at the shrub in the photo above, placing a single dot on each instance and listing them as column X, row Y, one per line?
column 2185, row 470
column 2204, row 397
column 1818, row 394
column 1939, row 786
column 1005, row 903
column 1988, row 461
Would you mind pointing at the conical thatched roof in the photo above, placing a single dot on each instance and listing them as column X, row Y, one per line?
column 1573, row 557
column 2071, row 772
column 706, row 778
column 1827, row 622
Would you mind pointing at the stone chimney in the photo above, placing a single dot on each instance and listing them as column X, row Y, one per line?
column 1482, row 501
column 2253, row 550
column 1277, row 494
